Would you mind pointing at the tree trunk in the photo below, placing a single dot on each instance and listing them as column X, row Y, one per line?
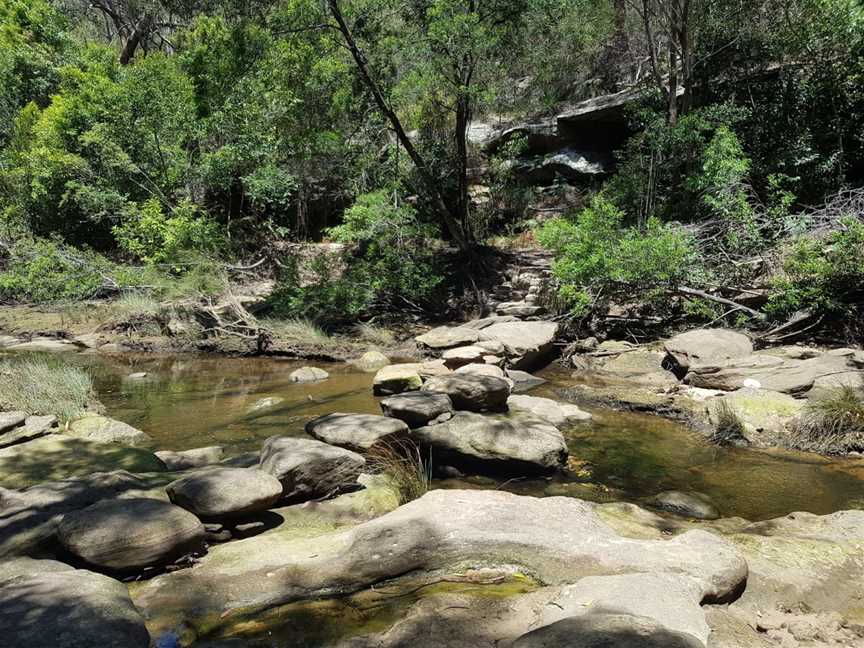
column 450, row 217
column 139, row 33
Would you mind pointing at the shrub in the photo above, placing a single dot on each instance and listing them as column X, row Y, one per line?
column 154, row 237
column 45, row 386
column 42, row 270
column 388, row 265
column 597, row 258
column 832, row 423
column 375, row 334
column 822, row 273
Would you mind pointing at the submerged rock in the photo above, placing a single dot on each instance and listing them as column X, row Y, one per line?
column 556, row 413
column 69, row 608
column 471, row 392
column 130, row 534
column 691, row 505
column 195, row 458
column 95, row 427
column 516, row 444
column 309, row 469
column 357, row 432
column 417, row 409
column 308, row 375
column 219, row 492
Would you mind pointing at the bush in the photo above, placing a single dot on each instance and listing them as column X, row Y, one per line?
column 45, row 386
column 597, row 258
column 156, row 238
column 823, row 274
column 387, row 266
column 832, row 423
column 42, row 270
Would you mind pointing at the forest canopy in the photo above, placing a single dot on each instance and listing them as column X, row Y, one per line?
column 171, row 134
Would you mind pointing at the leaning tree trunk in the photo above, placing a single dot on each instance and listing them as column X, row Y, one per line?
column 451, row 217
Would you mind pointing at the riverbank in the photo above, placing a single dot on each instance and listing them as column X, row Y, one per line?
column 240, row 566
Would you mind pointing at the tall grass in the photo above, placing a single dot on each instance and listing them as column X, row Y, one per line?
column 298, row 330
column 135, row 304
column 402, row 463
column 832, row 423
column 45, row 386
column 728, row 428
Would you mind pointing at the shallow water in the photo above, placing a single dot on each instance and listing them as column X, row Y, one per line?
column 193, row 401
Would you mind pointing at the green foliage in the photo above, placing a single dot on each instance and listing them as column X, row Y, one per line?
column 156, row 238
column 42, row 270
column 388, row 263
column 822, row 273
column 598, row 258
column 45, row 386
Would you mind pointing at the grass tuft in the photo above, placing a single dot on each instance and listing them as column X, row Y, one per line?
column 832, row 423
column 298, row 330
column 375, row 334
column 45, row 386
column 729, row 428
column 402, row 463
column 135, row 304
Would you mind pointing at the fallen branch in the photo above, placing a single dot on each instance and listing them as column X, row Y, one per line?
column 692, row 292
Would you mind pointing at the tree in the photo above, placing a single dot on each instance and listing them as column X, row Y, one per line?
column 446, row 52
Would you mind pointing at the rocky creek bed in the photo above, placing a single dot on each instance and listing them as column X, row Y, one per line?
column 552, row 520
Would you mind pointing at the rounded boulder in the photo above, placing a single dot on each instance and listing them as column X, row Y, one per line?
column 222, row 492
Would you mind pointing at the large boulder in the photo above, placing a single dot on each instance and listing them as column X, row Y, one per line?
column 417, row 408
column 95, row 427
column 448, row 337
column 516, row 444
column 555, row 412
column 186, row 459
column 130, row 534
column 460, row 356
column 604, row 629
column 58, row 456
column 11, row 420
column 641, row 366
column 523, row 381
column 357, row 432
column 528, row 344
column 69, row 608
column 703, row 346
column 559, row 540
column 29, row 517
column 308, row 375
column 405, row 377
column 222, row 492
column 765, row 371
column 33, row 427
column 309, row 469
column 472, row 393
